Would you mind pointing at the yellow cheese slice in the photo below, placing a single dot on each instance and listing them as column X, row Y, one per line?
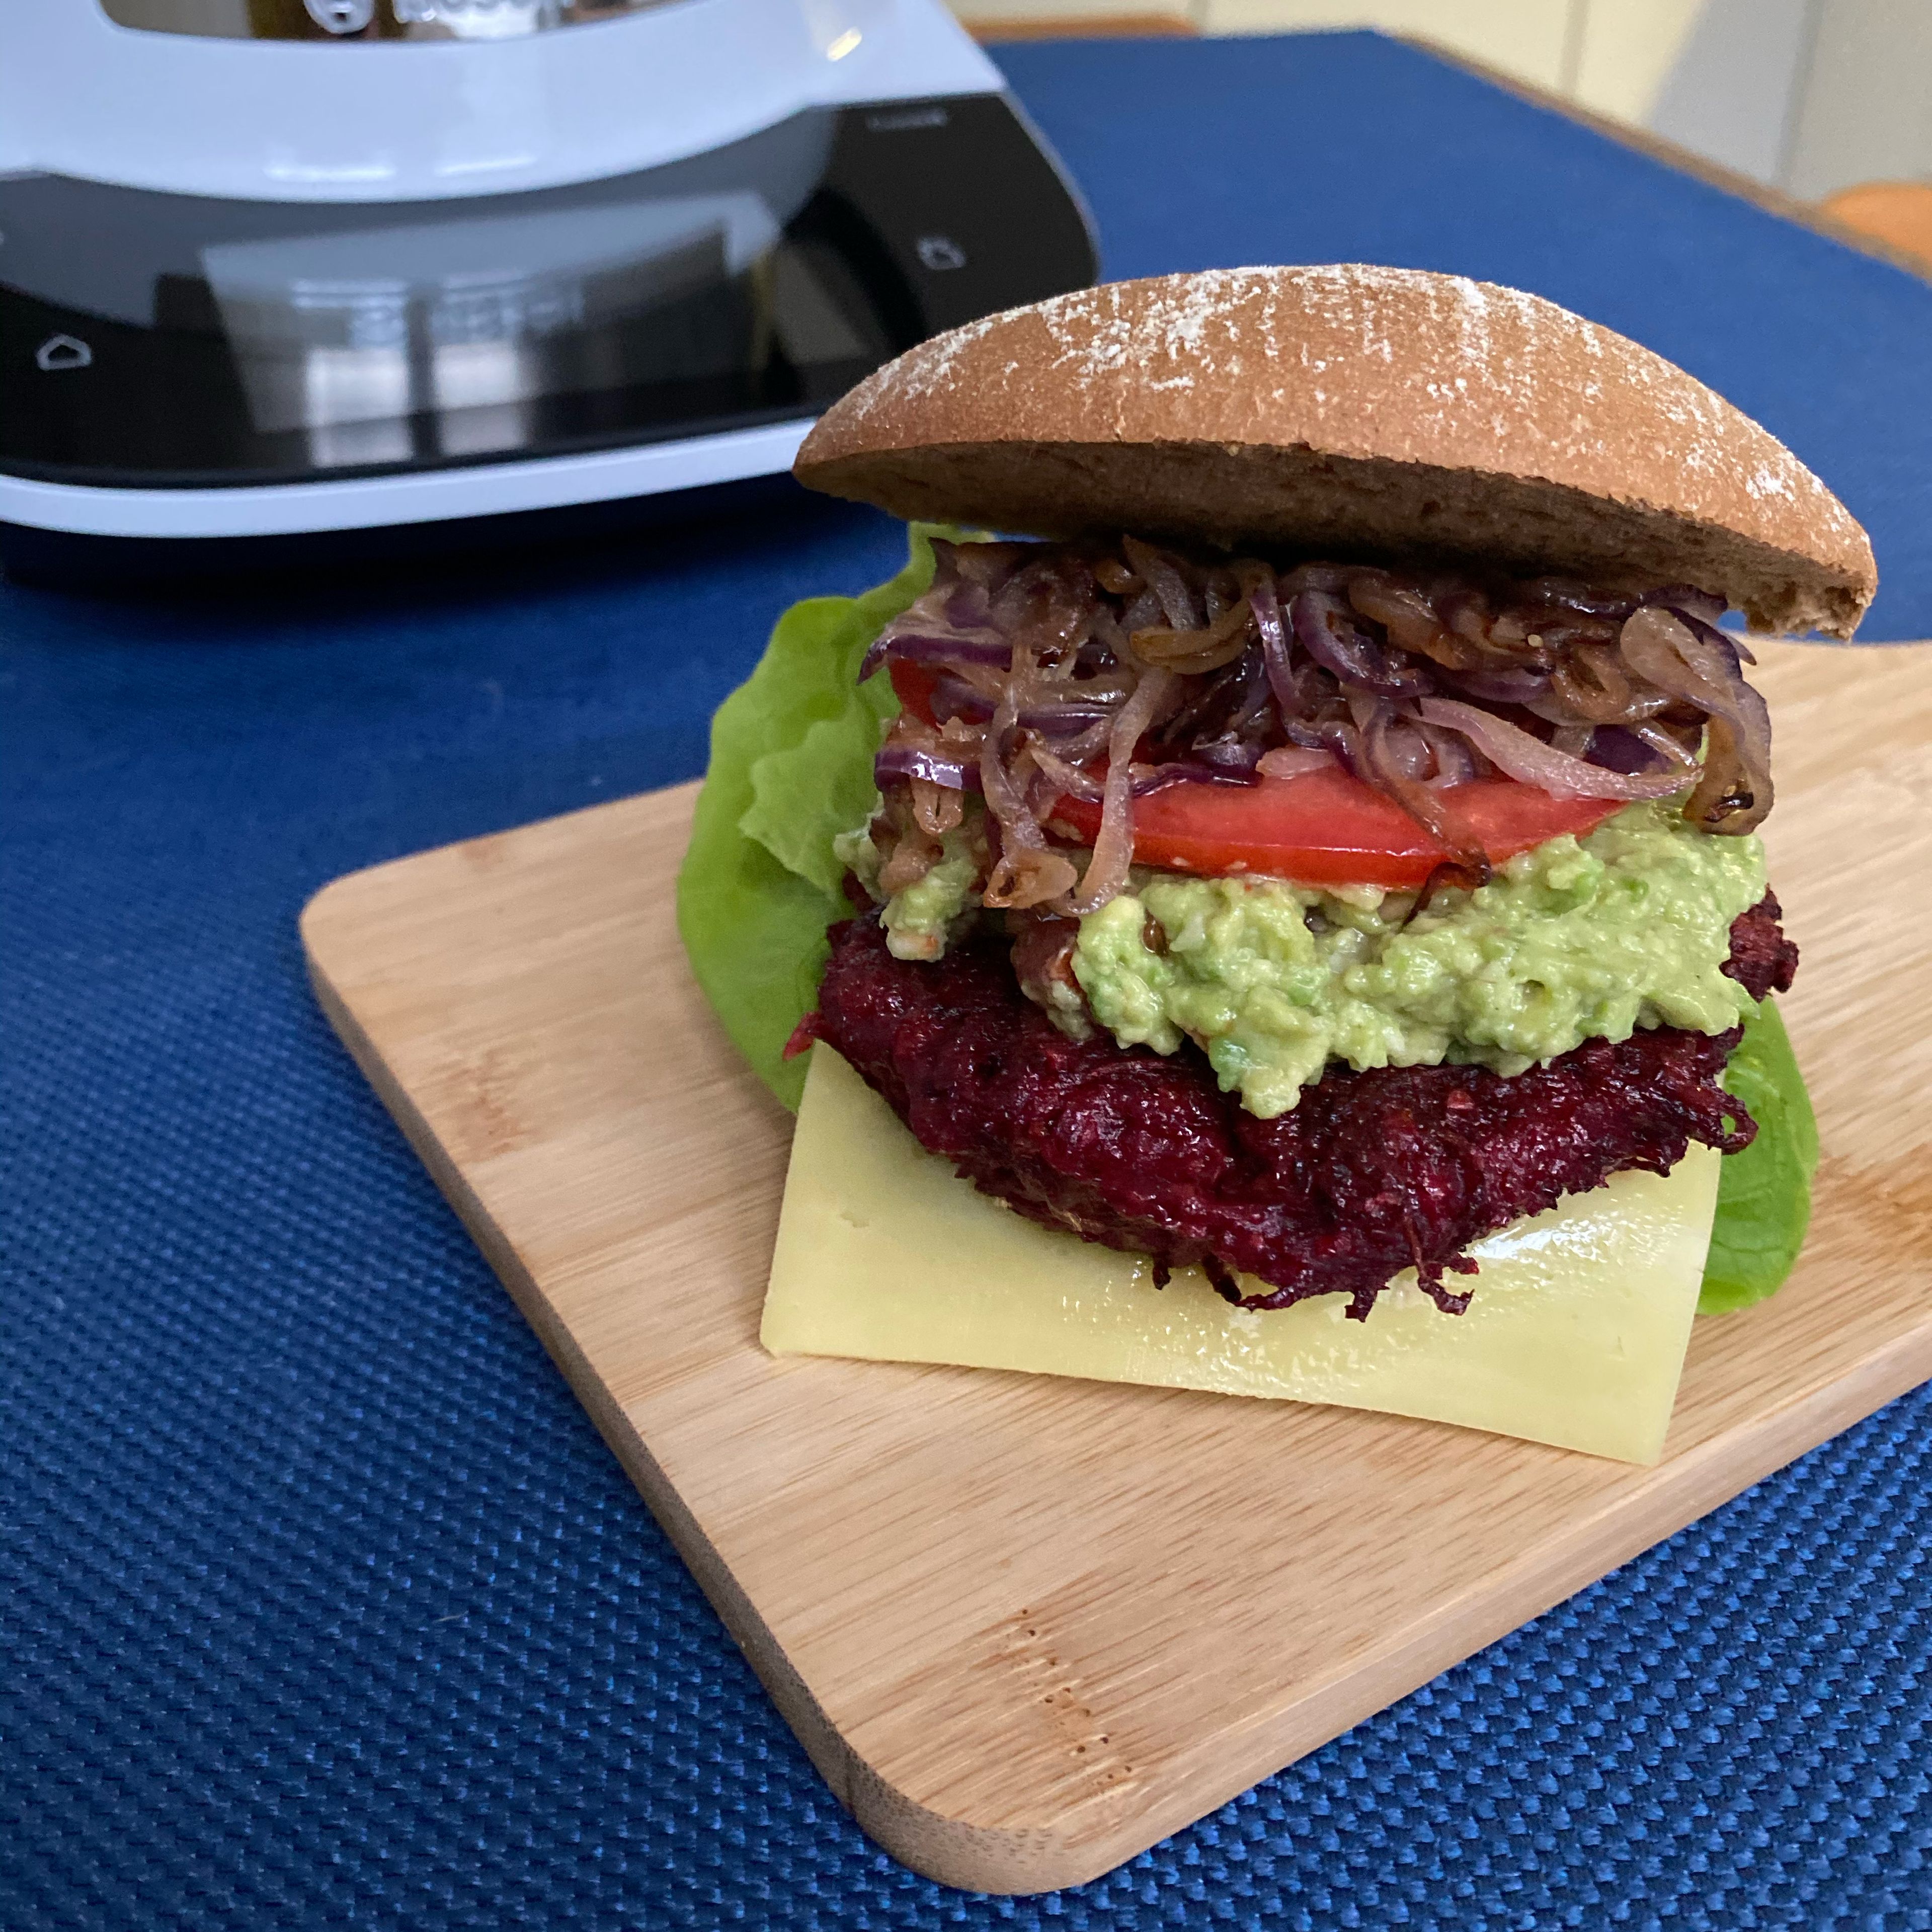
column 1576, row 1336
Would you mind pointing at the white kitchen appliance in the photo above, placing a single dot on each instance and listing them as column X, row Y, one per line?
column 277, row 267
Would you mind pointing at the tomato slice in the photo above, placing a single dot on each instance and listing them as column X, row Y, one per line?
column 914, row 684
column 1323, row 828
column 1327, row 829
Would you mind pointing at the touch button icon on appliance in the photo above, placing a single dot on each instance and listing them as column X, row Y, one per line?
column 63, row 352
column 940, row 251
column 341, row 17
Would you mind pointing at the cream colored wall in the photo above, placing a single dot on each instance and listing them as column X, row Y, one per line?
column 1527, row 38
column 1811, row 94
column 1612, row 55
column 1864, row 112
column 1626, row 51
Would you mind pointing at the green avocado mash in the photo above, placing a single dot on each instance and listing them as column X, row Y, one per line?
column 1573, row 941
column 920, row 921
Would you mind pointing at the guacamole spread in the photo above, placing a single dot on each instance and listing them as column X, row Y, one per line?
column 920, row 920
column 1575, row 940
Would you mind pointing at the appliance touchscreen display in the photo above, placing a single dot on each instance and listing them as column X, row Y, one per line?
column 184, row 339
column 372, row 342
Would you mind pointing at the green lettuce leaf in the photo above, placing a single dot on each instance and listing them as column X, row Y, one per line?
column 791, row 767
column 1764, row 1198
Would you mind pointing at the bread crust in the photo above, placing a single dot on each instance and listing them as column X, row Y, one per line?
column 1354, row 411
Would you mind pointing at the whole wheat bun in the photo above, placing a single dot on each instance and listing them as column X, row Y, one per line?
column 1347, row 410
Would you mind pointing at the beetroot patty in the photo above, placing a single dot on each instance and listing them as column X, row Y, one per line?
column 1368, row 1174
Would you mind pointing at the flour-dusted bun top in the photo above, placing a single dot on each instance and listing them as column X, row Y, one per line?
column 1348, row 410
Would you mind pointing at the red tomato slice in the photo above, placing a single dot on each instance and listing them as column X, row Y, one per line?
column 914, row 684
column 1327, row 829
column 1323, row 828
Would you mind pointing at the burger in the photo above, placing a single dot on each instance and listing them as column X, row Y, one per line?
column 1295, row 817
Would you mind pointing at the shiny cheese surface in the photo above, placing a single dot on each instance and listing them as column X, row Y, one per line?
column 1576, row 1336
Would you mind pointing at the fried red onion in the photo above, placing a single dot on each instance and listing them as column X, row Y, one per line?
column 1114, row 844
column 1456, row 761
column 1337, row 737
column 1514, row 751
column 894, row 762
column 1688, row 600
column 1326, row 629
column 1070, row 781
column 1107, row 673
column 1514, row 685
column 1161, row 574
column 954, row 697
column 1292, row 761
column 1012, row 879
column 1566, row 594
column 937, row 809
column 926, row 647
column 1687, row 659
column 1392, row 760
column 1619, row 747
column 1193, row 651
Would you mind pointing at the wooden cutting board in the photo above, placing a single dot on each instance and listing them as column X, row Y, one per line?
column 1026, row 1626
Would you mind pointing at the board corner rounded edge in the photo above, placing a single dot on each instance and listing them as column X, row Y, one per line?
column 996, row 1860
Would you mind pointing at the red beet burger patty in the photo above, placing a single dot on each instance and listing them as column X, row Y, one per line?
column 1369, row 1173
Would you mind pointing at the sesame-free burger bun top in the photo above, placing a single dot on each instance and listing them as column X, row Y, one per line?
column 1348, row 410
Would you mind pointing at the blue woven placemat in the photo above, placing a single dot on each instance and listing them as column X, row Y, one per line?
column 322, row 1605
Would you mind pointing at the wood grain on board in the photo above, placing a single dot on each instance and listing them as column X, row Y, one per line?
column 1026, row 1626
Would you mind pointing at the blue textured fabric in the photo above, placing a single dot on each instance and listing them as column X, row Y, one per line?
column 322, row 1605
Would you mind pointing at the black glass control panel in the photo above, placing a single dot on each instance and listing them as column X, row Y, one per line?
column 168, row 340
column 354, row 21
